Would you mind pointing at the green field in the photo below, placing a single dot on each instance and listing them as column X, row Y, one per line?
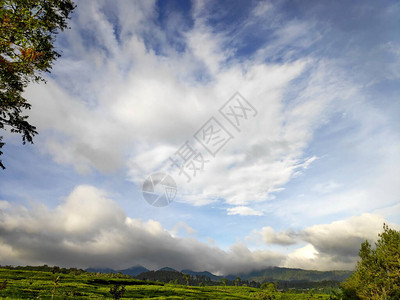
column 22, row 284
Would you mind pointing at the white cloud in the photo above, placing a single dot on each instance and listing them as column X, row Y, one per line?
column 309, row 258
column 243, row 211
column 269, row 236
column 307, row 252
column 336, row 245
column 343, row 238
column 181, row 225
column 309, row 161
column 333, row 246
column 326, row 187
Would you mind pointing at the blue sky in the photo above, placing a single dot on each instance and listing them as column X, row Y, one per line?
column 302, row 184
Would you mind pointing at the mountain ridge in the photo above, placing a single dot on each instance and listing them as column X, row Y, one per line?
column 263, row 275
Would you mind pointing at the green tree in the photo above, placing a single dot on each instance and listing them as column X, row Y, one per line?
column 224, row 281
column 186, row 277
column 269, row 286
column 56, row 280
column 335, row 295
column 27, row 32
column 377, row 274
column 237, row 281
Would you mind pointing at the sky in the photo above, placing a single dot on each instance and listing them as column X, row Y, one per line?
column 300, row 97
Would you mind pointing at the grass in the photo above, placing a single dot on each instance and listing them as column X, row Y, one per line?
column 23, row 284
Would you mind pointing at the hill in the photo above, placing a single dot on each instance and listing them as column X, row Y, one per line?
column 271, row 274
column 132, row 271
column 204, row 273
column 168, row 269
column 289, row 274
column 101, row 270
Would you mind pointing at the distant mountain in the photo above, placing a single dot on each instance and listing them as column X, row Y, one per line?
column 204, row 273
column 168, row 269
column 268, row 274
column 101, row 270
column 133, row 271
column 162, row 276
column 279, row 274
column 289, row 274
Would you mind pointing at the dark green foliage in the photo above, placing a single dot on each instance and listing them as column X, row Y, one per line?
column 117, row 291
column 269, row 286
column 27, row 33
column 335, row 295
column 46, row 268
column 186, row 277
column 3, row 285
column 103, row 281
column 163, row 276
column 237, row 281
column 56, row 280
column 377, row 275
column 305, row 284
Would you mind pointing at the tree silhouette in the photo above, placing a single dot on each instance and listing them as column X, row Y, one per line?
column 186, row 277
column 224, row 281
column 237, row 281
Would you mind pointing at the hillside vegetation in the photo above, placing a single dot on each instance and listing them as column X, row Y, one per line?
column 33, row 284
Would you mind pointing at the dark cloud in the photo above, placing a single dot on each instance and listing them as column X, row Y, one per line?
column 90, row 230
column 342, row 239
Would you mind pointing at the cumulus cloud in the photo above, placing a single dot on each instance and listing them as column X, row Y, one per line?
column 309, row 258
column 342, row 239
column 283, row 238
column 147, row 98
column 89, row 229
column 336, row 245
column 333, row 246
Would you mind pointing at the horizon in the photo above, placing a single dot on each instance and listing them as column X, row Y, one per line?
column 304, row 96
column 96, row 269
